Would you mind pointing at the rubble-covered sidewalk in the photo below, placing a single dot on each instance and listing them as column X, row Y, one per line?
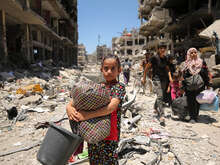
column 40, row 95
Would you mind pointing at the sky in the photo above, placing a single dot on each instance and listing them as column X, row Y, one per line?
column 105, row 18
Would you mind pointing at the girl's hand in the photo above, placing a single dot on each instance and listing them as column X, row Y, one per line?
column 182, row 91
column 71, row 112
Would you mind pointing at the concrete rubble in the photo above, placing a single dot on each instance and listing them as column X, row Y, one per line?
column 40, row 95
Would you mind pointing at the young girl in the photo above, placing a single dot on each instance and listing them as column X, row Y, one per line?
column 174, row 86
column 105, row 151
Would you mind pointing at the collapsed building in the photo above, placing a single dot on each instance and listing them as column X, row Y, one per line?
column 128, row 44
column 101, row 51
column 153, row 18
column 38, row 30
column 82, row 55
column 189, row 18
column 182, row 22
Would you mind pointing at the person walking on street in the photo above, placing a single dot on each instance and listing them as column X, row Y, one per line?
column 160, row 77
column 196, row 68
column 126, row 67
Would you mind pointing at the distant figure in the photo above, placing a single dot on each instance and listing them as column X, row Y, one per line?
column 160, row 76
column 126, row 67
column 149, row 73
column 217, row 45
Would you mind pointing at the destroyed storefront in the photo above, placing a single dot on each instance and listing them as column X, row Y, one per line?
column 33, row 31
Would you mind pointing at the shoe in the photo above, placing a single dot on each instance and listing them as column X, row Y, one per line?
column 72, row 159
column 192, row 121
column 162, row 121
column 83, row 155
column 155, row 111
column 174, row 116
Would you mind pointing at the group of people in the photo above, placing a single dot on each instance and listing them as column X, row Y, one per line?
column 162, row 75
column 171, row 82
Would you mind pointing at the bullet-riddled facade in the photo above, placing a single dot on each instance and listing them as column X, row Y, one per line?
column 37, row 30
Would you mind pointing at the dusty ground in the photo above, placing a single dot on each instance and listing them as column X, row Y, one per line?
column 194, row 144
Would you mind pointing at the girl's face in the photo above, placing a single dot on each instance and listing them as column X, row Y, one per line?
column 110, row 69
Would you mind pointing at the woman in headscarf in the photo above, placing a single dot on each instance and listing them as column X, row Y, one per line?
column 194, row 65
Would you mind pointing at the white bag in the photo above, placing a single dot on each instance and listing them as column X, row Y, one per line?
column 206, row 97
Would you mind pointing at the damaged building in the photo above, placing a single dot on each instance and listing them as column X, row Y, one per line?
column 82, row 55
column 181, row 23
column 189, row 19
column 128, row 44
column 101, row 51
column 153, row 18
column 38, row 30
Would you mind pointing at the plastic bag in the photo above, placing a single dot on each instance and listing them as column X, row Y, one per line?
column 211, row 107
column 206, row 97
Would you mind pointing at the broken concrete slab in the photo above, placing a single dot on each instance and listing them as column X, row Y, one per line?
column 34, row 99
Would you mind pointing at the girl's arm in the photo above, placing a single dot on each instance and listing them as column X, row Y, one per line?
column 168, row 89
column 169, row 74
column 86, row 115
column 146, row 69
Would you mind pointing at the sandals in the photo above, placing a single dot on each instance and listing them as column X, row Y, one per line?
column 162, row 121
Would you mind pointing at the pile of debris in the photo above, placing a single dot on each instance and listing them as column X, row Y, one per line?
column 32, row 98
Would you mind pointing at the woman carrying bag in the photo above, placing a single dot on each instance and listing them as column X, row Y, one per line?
column 196, row 79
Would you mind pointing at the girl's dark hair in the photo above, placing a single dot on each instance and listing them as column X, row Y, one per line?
column 111, row 56
column 175, row 75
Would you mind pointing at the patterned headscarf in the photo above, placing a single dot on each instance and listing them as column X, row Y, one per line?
column 193, row 65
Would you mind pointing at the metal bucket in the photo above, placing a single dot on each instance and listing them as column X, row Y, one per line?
column 57, row 146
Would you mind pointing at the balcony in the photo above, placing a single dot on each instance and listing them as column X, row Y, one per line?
column 16, row 9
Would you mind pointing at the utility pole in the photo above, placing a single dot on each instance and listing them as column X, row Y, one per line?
column 99, row 37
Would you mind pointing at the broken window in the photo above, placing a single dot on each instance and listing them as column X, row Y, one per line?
column 122, row 52
column 129, row 52
column 137, row 51
column 129, row 43
column 136, row 41
column 34, row 35
column 141, row 42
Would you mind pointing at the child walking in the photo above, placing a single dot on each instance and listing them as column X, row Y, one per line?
column 174, row 86
column 104, row 153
